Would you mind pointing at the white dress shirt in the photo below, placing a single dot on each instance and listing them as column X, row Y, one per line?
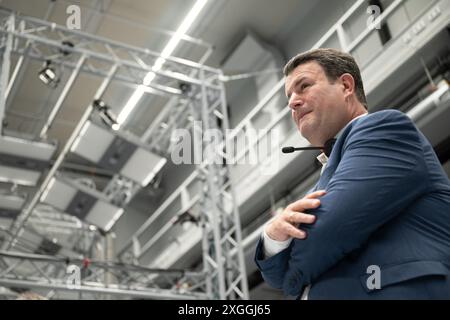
column 272, row 247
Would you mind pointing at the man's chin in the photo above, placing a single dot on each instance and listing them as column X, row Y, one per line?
column 305, row 134
column 307, row 137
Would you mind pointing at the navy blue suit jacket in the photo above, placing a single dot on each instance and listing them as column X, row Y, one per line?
column 387, row 204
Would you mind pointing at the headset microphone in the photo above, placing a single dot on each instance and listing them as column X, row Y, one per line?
column 326, row 148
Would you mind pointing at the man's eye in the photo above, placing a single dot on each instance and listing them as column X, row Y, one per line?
column 304, row 86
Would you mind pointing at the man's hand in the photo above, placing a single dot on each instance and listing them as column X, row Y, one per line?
column 285, row 225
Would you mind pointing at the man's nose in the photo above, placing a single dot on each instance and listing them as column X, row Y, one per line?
column 295, row 102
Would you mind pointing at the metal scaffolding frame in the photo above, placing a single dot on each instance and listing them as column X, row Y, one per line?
column 224, row 276
column 220, row 221
column 7, row 43
column 58, row 274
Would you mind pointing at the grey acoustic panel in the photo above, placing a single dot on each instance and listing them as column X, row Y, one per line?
column 11, row 201
column 14, row 161
column 22, row 161
column 10, row 207
column 87, row 206
column 19, row 176
column 58, row 194
column 92, row 142
column 81, row 204
column 143, row 166
column 104, row 215
column 117, row 154
column 27, row 149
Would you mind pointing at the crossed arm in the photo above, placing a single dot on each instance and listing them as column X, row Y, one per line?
column 380, row 173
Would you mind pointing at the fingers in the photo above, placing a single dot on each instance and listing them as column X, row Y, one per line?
column 281, row 231
column 300, row 217
column 310, row 201
column 315, row 194
column 303, row 204
column 293, row 232
column 285, row 224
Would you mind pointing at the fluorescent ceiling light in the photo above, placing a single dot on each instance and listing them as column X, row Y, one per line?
column 116, row 217
column 167, row 51
column 49, row 186
column 155, row 170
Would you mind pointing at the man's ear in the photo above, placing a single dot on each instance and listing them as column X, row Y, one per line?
column 348, row 84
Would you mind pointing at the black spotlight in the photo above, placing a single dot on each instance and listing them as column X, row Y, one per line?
column 66, row 45
column 106, row 114
column 48, row 75
column 185, row 88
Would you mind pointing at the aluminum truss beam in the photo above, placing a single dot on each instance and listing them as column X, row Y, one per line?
column 22, row 63
column 135, row 62
column 48, row 272
column 219, row 214
column 219, row 217
column 7, row 44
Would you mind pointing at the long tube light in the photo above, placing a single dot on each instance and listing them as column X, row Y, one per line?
column 167, row 51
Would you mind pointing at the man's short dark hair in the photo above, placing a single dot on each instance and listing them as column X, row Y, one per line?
column 334, row 63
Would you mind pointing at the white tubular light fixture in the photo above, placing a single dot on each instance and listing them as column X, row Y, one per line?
column 167, row 51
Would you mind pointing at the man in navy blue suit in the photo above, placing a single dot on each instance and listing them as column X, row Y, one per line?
column 377, row 223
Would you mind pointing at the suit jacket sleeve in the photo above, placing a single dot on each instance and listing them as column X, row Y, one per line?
column 380, row 173
column 274, row 268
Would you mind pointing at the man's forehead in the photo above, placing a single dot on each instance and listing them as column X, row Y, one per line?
column 311, row 68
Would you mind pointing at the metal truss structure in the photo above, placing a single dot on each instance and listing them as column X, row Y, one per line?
column 97, row 279
column 194, row 89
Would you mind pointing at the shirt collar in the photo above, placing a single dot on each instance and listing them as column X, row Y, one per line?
column 323, row 159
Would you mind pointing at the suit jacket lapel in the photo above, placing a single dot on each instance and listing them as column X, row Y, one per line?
column 333, row 160
column 326, row 176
